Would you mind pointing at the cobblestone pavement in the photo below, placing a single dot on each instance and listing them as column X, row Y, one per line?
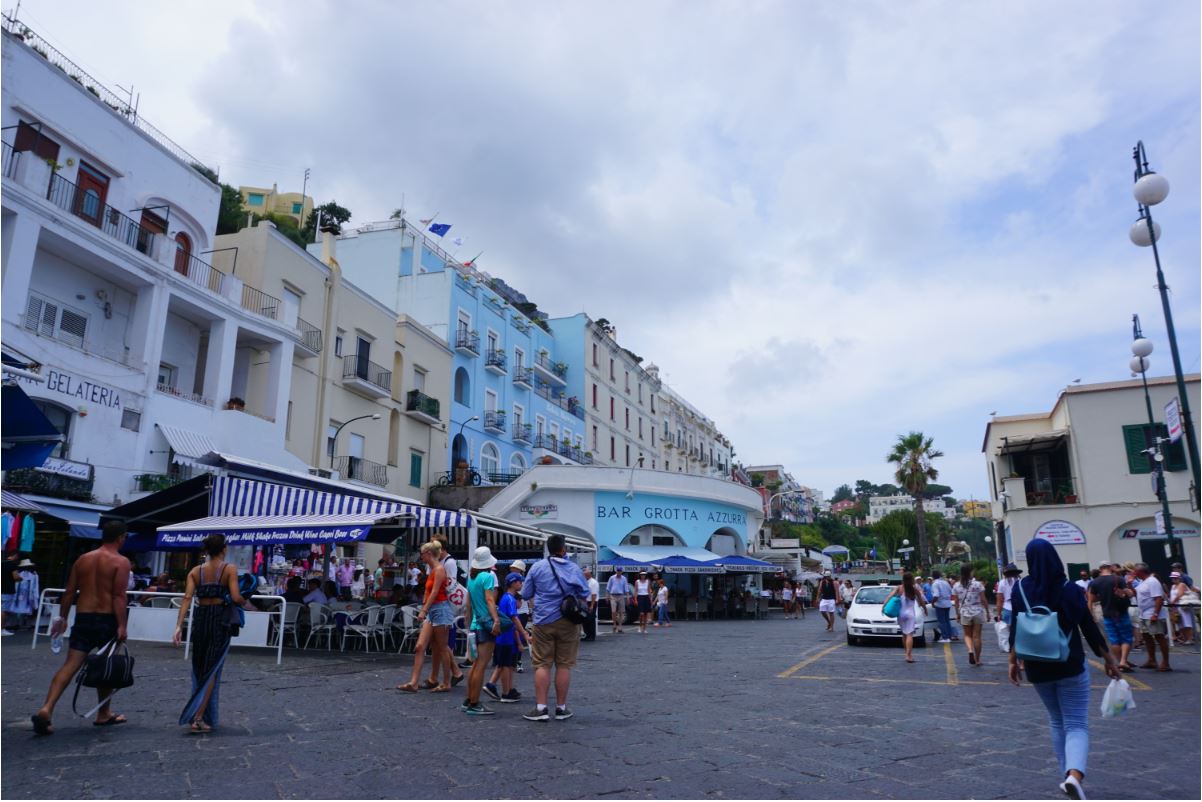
column 756, row 709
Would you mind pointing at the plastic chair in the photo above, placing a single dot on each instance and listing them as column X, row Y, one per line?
column 362, row 624
column 321, row 622
column 160, row 602
column 410, row 626
column 384, row 627
column 693, row 608
column 291, row 617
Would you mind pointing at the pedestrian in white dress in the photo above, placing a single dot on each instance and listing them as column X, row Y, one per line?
column 907, row 620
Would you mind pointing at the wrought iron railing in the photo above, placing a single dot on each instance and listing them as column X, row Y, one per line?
column 496, row 358
column 259, row 302
column 522, row 432
column 12, row 158
column 558, row 369
column 199, row 272
column 417, row 401
column 494, row 421
column 548, row 441
column 195, row 398
column 362, row 470
column 503, row 478
column 524, row 376
column 468, row 340
column 309, row 334
column 356, row 367
column 86, row 205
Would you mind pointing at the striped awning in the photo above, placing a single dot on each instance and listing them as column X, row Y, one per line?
column 14, row 501
column 270, row 530
column 188, row 446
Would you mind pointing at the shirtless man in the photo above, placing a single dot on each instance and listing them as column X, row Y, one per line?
column 100, row 577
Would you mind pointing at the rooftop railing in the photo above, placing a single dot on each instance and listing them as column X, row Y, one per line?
column 199, row 271
column 259, row 302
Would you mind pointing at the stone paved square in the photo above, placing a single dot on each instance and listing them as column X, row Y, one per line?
column 769, row 709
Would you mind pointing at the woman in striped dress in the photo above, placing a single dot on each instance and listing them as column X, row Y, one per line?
column 215, row 586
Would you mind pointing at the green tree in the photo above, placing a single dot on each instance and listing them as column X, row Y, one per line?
column 332, row 216
column 842, row 493
column 891, row 530
column 913, row 455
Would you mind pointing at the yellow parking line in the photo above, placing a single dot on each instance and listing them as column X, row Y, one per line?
column 953, row 676
column 1136, row 684
column 790, row 672
column 892, row 680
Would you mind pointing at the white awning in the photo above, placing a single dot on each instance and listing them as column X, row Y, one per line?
column 1040, row 441
column 188, row 446
column 673, row 559
column 13, row 501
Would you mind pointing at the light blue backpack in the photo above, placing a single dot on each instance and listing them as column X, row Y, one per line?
column 1037, row 635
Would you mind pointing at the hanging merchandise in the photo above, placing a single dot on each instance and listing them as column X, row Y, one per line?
column 12, row 538
column 28, row 532
column 6, row 525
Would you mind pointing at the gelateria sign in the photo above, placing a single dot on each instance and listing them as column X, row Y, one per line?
column 1061, row 533
column 79, row 390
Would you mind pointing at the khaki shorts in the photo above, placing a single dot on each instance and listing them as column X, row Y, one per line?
column 1156, row 627
column 617, row 606
column 556, row 644
column 969, row 620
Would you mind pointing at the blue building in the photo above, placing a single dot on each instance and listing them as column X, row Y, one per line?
column 511, row 405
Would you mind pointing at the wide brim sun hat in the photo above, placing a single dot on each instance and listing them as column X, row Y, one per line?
column 482, row 560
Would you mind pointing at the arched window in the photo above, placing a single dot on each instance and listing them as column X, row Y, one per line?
column 517, row 464
column 183, row 252
column 489, row 459
column 463, row 387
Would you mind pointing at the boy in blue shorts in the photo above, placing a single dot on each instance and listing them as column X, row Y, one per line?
column 505, row 656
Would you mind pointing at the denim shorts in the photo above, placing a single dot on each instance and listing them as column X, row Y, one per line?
column 440, row 614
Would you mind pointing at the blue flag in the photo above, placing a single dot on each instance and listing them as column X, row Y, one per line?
column 874, row 553
column 440, row 229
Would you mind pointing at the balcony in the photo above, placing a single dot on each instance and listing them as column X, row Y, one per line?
column 495, row 361
column 523, row 377
column 423, row 407
column 43, row 482
column 553, row 373
column 554, row 395
column 365, row 377
column 467, row 342
column 523, row 433
column 494, row 422
column 11, row 159
column 358, row 469
column 308, row 338
column 86, row 206
column 199, row 272
column 194, row 398
column 562, row 448
column 260, row 302
column 154, row 482
column 669, row 443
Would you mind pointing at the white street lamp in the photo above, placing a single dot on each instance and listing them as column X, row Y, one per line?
column 1141, row 346
column 1150, row 189
column 1140, row 364
column 1139, row 232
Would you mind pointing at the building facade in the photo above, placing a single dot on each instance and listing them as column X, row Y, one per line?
column 1078, row 477
column 691, row 442
column 880, row 506
column 791, row 503
column 262, row 201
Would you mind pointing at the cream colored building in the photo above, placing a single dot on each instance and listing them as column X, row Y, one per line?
column 271, row 201
column 1076, row 476
column 688, row 441
column 354, row 358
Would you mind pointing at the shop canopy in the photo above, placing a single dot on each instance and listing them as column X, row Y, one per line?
column 270, row 530
column 83, row 520
column 509, row 539
column 13, row 501
column 623, row 563
column 670, row 559
column 835, row 549
column 186, row 446
column 28, row 435
column 738, row 564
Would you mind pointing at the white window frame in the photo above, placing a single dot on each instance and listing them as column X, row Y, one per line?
column 490, row 396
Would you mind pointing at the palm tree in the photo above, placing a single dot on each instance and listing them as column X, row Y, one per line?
column 913, row 454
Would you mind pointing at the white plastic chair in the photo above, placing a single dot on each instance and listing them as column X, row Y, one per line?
column 160, row 602
column 409, row 625
column 383, row 629
column 291, row 616
column 321, row 623
column 362, row 624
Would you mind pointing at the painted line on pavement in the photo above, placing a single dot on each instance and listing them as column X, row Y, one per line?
column 891, row 680
column 1136, row 684
column 791, row 671
column 953, row 676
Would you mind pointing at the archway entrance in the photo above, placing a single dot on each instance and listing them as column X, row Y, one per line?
column 458, row 450
column 725, row 541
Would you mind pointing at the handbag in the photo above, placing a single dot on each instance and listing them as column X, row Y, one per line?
column 892, row 608
column 105, row 668
column 1037, row 635
column 569, row 606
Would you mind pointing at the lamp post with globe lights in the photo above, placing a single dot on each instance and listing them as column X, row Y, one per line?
column 1150, row 189
column 1141, row 349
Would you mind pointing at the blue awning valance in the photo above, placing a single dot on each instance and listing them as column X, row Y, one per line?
column 28, row 435
column 738, row 564
column 269, row 530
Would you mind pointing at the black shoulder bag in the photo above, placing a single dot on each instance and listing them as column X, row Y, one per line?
column 105, row 668
column 569, row 606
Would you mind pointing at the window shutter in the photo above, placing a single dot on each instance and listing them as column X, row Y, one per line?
column 72, row 328
column 1135, row 440
column 40, row 316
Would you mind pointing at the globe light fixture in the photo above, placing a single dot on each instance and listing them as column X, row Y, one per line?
column 1141, row 346
column 1140, row 364
column 1139, row 232
column 905, row 543
column 1150, row 189
column 988, row 539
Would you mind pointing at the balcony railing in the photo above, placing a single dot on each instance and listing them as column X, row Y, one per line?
column 310, row 335
column 496, row 358
column 86, row 205
column 503, row 478
column 356, row 367
column 557, row 369
column 199, row 272
column 260, row 303
column 33, row 481
column 195, row 398
column 1057, row 490
column 524, row 377
column 11, row 159
column 494, row 421
column 417, row 401
column 154, row 482
column 467, row 341
column 362, row 470
column 522, row 432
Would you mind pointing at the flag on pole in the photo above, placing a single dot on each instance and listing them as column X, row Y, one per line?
column 457, row 242
column 440, row 229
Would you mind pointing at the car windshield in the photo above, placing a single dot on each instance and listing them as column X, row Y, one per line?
column 876, row 595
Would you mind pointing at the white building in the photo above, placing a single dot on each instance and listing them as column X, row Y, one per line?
column 690, row 442
column 141, row 343
column 790, row 502
column 880, row 506
column 1078, row 477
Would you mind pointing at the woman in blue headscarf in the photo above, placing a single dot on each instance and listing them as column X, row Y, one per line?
column 1063, row 687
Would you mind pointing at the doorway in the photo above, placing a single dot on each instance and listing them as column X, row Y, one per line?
column 92, row 188
column 1156, row 554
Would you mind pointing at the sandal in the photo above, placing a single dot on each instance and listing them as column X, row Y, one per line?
column 972, row 659
column 441, row 689
column 456, row 680
column 408, row 687
column 111, row 721
column 41, row 725
column 199, row 728
column 428, row 685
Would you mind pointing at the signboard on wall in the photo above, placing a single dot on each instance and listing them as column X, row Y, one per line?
column 1149, row 533
column 1061, row 533
column 66, row 467
column 538, row 512
column 1172, row 420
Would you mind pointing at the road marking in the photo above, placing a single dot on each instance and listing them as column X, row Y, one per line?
column 891, row 680
column 1136, row 684
column 953, row 676
column 790, row 672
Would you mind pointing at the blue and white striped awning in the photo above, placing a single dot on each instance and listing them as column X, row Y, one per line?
column 187, row 446
column 269, row 530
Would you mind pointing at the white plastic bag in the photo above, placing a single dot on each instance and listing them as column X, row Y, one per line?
column 1118, row 699
column 1003, row 635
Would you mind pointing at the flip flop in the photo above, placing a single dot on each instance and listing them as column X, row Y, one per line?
column 111, row 721
column 1127, row 669
column 41, row 726
column 199, row 728
column 456, row 680
column 408, row 687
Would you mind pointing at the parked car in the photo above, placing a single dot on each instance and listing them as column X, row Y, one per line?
column 866, row 621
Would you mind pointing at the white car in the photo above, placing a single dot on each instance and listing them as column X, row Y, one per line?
column 865, row 619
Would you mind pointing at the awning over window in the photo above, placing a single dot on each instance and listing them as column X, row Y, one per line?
column 670, row 559
column 270, row 530
column 28, row 435
column 83, row 521
column 13, row 501
column 188, row 446
column 1041, row 441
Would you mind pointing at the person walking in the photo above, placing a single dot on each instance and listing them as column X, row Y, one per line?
column 485, row 622
column 1182, row 597
column 802, row 594
column 786, row 599
column 594, row 591
column 100, row 578
column 847, row 592
column 511, row 639
column 1150, row 597
column 214, row 585
column 828, row 593
column 436, row 617
column 618, row 591
column 970, row 607
column 1063, row 687
column 912, row 599
column 661, row 605
column 941, row 599
column 1110, row 592
column 642, row 594
column 556, row 639
column 1010, row 575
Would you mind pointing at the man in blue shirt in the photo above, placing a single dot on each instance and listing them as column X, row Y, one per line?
column 618, row 590
column 556, row 640
column 941, row 598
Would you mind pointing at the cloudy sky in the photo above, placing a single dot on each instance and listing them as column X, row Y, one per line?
column 828, row 223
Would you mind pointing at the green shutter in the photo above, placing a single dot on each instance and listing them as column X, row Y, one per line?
column 415, row 470
column 1174, row 453
column 1135, row 440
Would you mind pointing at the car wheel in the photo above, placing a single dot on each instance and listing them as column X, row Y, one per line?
column 852, row 641
column 921, row 640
